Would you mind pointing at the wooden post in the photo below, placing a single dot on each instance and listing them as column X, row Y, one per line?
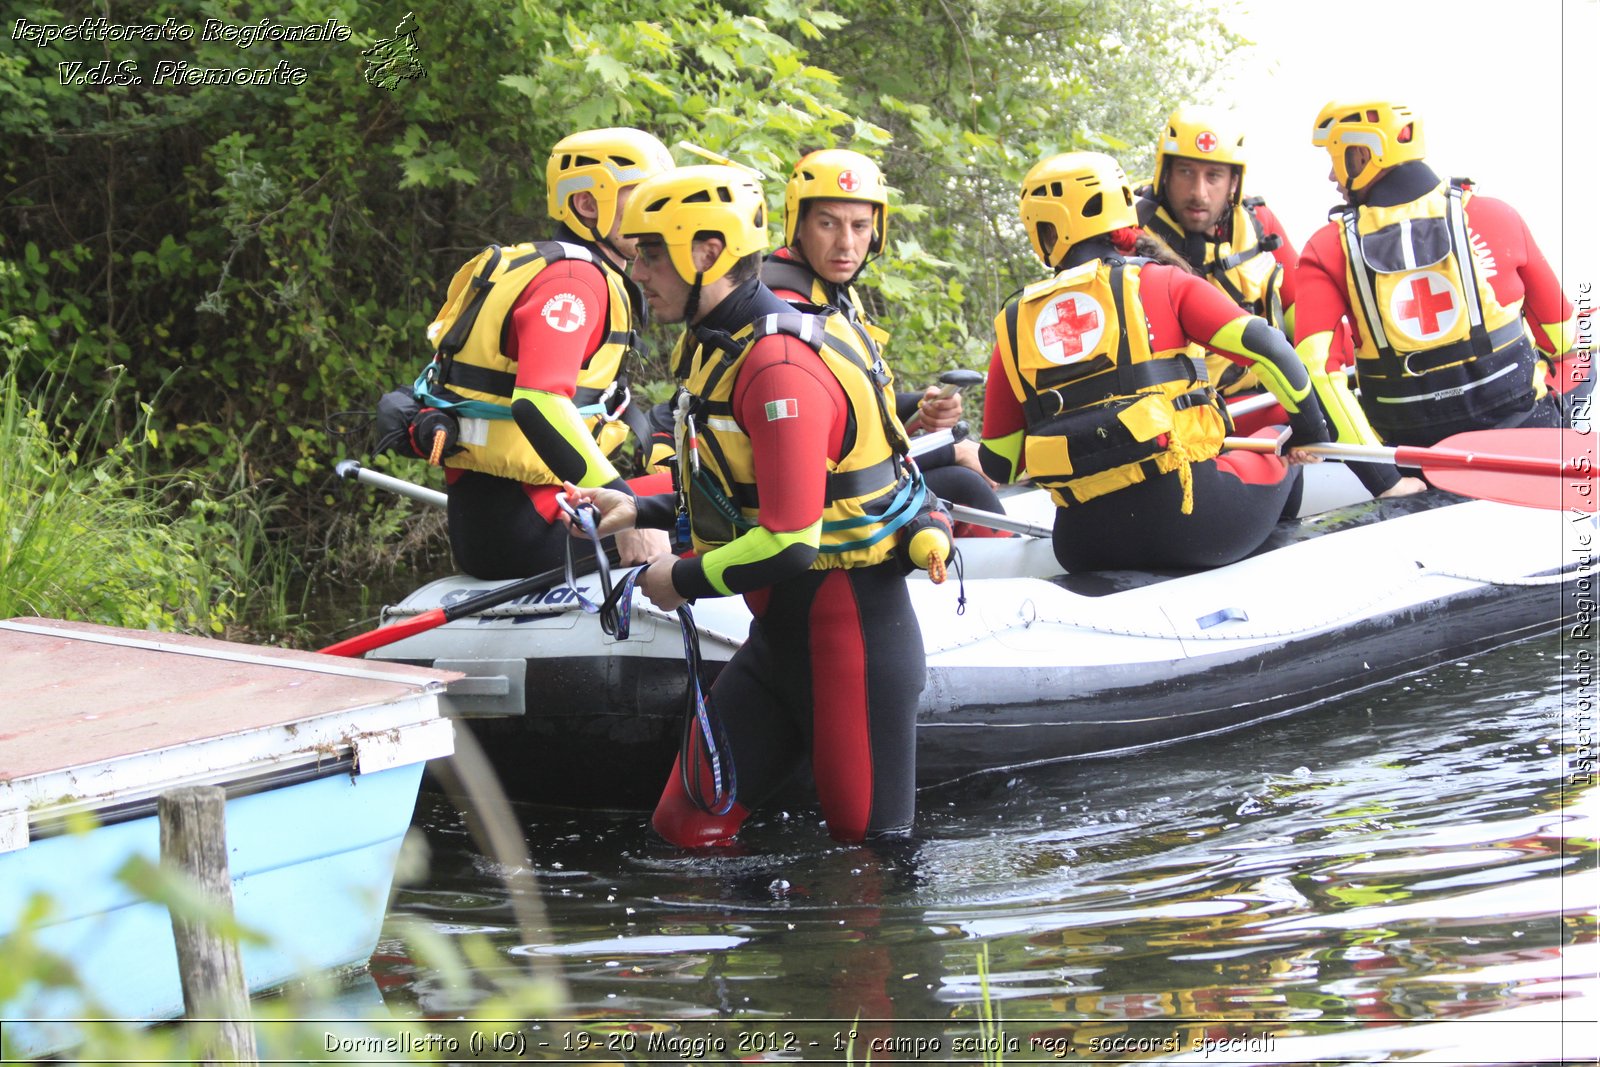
column 194, row 841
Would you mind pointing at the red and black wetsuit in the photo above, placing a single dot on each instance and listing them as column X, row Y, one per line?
column 834, row 663
column 500, row 528
column 1238, row 496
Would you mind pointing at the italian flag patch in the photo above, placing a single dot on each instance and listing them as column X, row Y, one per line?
column 782, row 409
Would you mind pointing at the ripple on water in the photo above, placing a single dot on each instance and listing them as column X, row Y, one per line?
column 1405, row 855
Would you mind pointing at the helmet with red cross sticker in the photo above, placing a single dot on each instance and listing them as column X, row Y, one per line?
column 836, row 174
column 1205, row 134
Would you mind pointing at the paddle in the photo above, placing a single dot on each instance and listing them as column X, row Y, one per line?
column 1537, row 467
column 491, row 598
column 1246, row 404
column 993, row 521
column 349, row 468
column 951, row 382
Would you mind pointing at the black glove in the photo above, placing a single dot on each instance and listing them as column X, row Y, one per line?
column 425, row 429
column 392, row 424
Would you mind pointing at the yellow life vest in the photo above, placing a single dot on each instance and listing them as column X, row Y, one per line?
column 872, row 490
column 1243, row 268
column 473, row 378
column 793, row 276
column 1437, row 347
column 1103, row 409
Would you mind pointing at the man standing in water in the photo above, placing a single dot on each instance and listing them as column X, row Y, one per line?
column 795, row 490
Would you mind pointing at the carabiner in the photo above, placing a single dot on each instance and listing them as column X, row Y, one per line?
column 610, row 414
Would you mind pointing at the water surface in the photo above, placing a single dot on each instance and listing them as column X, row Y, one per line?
column 1353, row 883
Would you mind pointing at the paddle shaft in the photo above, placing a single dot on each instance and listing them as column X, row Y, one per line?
column 951, row 383
column 992, row 521
column 1436, row 457
column 1246, row 404
column 349, row 468
column 491, row 598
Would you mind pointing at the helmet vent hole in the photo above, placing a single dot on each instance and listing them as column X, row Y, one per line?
column 1093, row 206
column 657, row 205
column 701, row 197
column 1041, row 191
column 1404, row 136
column 585, row 161
column 622, row 161
column 1056, row 190
column 723, row 194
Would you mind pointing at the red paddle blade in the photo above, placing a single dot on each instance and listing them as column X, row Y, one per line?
column 1542, row 467
column 386, row 635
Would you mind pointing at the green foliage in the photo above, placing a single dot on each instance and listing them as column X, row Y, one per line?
column 990, row 1032
column 92, row 535
column 286, row 245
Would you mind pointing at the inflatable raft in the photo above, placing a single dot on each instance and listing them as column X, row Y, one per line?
column 1038, row 666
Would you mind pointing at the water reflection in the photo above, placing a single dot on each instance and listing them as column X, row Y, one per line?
column 1407, row 855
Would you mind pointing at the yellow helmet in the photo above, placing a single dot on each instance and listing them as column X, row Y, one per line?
column 836, row 174
column 1324, row 121
column 1389, row 131
column 1081, row 194
column 677, row 205
column 1201, row 133
column 601, row 162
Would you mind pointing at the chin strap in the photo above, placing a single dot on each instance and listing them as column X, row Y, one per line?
column 691, row 304
column 605, row 242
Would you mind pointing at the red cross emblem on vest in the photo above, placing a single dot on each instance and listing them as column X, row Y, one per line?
column 1424, row 305
column 848, row 181
column 1070, row 328
column 564, row 312
column 1206, row 142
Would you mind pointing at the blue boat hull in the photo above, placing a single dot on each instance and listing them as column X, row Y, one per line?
column 311, row 864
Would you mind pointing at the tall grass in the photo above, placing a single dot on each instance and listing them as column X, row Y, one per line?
column 89, row 532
